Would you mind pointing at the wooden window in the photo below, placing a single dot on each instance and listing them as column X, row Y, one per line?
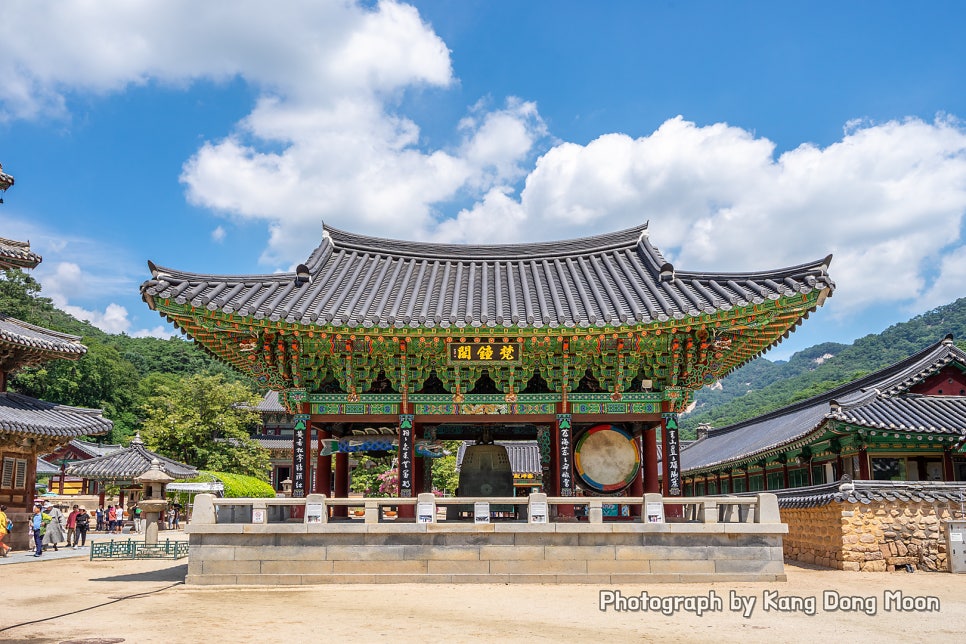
column 6, row 479
column 20, row 478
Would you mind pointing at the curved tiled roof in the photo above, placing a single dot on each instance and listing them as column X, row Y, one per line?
column 524, row 455
column 21, row 414
column 128, row 464
column 877, row 401
column 358, row 281
column 270, row 403
column 17, row 254
column 28, row 336
column 867, row 492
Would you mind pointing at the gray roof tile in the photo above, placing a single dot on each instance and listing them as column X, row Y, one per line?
column 28, row 336
column 866, row 492
column 127, row 464
column 21, row 414
column 360, row 281
column 878, row 401
column 17, row 254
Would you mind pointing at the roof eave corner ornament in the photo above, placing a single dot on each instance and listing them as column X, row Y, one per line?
column 948, row 340
column 667, row 272
column 6, row 181
column 302, row 275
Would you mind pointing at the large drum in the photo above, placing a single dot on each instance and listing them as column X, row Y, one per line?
column 607, row 458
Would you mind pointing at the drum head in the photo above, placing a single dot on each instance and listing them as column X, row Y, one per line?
column 607, row 458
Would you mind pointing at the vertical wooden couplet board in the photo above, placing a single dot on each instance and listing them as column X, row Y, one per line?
column 672, row 454
column 300, row 454
column 405, row 456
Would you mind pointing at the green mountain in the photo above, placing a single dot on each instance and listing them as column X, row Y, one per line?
column 762, row 385
column 117, row 373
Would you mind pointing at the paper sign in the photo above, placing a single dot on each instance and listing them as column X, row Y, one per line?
column 313, row 512
column 258, row 516
column 538, row 512
column 654, row 512
column 481, row 512
column 425, row 512
column 956, row 536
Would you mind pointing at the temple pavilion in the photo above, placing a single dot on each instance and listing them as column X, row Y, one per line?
column 588, row 346
column 31, row 427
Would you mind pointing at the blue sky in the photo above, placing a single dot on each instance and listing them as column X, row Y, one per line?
column 217, row 137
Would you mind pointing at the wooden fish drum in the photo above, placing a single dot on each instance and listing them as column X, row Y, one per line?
column 607, row 458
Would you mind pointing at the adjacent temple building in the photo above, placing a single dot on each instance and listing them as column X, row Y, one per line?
column 31, row 427
column 588, row 346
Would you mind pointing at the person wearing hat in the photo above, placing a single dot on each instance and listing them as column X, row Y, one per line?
column 82, row 523
column 55, row 528
column 37, row 530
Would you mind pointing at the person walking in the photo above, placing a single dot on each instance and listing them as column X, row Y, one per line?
column 36, row 531
column 56, row 525
column 100, row 517
column 6, row 527
column 111, row 518
column 83, row 523
column 71, row 524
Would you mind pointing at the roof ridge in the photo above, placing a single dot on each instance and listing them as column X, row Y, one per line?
column 626, row 238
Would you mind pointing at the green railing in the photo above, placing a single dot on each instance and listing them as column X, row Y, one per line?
column 131, row 549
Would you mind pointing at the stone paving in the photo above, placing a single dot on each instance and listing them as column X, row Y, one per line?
column 63, row 552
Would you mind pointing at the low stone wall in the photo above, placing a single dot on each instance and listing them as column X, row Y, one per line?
column 876, row 537
column 259, row 542
column 615, row 553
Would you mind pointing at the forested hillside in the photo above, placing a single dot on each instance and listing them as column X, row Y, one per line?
column 118, row 373
column 762, row 385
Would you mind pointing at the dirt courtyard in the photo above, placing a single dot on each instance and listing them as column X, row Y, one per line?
column 76, row 600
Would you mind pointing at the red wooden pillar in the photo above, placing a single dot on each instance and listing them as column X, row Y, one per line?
column 637, row 485
column 864, row 473
column 785, row 474
column 419, row 478
column 341, row 483
column 323, row 465
column 747, row 479
column 652, row 482
column 764, row 478
column 949, row 472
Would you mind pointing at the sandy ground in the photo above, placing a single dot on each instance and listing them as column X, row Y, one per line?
column 76, row 600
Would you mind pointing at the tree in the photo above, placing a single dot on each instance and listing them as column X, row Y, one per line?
column 205, row 421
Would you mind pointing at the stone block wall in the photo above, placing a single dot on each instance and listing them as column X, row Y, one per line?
column 281, row 554
column 877, row 537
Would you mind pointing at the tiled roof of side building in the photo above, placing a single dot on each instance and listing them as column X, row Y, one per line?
column 21, row 414
column 524, row 455
column 878, row 400
column 360, row 281
column 29, row 336
column 128, row 463
column 270, row 403
column 867, row 492
column 17, row 254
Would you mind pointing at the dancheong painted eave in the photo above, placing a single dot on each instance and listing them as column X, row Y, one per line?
column 355, row 281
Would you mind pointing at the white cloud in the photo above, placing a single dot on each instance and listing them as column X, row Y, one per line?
column 218, row 234
column 307, row 49
column 887, row 200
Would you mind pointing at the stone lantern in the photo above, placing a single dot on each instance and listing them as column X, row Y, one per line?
column 286, row 488
column 153, row 504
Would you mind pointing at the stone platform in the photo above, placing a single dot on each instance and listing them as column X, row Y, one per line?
column 290, row 553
